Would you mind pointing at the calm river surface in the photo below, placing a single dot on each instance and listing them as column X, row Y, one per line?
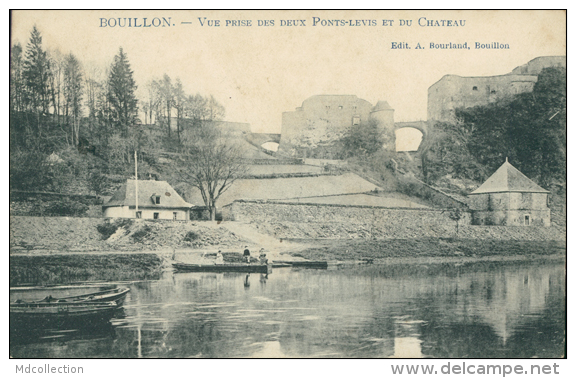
column 469, row 310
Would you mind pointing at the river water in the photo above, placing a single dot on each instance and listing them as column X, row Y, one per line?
column 484, row 310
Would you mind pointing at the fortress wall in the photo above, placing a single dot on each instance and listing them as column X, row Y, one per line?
column 536, row 65
column 321, row 120
column 453, row 92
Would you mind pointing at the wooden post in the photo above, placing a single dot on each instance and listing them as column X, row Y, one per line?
column 136, row 175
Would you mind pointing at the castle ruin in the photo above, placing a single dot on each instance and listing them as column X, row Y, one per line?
column 452, row 91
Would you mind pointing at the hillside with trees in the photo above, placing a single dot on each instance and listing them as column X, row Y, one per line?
column 74, row 127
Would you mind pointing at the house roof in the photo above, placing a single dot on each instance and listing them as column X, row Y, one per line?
column 508, row 179
column 382, row 105
column 147, row 191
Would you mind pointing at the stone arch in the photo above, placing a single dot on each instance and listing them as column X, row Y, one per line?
column 408, row 138
column 270, row 146
column 402, row 129
column 258, row 139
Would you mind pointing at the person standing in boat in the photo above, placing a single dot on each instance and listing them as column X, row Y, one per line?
column 219, row 258
column 246, row 255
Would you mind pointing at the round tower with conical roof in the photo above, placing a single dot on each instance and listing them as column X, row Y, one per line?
column 383, row 114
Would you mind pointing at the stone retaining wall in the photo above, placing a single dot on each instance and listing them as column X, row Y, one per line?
column 312, row 221
column 248, row 211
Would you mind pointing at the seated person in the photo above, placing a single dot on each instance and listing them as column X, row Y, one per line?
column 262, row 257
column 219, row 258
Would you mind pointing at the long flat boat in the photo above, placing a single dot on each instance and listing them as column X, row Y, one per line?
column 117, row 295
column 241, row 268
column 40, row 315
column 37, row 293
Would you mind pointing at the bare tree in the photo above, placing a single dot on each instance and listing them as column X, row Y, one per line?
column 73, row 89
column 179, row 100
column 213, row 162
column 57, row 66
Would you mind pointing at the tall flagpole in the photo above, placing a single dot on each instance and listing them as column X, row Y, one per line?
column 136, row 173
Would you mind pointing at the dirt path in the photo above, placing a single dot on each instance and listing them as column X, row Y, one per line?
column 274, row 247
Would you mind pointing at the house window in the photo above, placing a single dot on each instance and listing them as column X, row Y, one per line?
column 138, row 215
column 174, row 216
column 474, row 88
column 156, row 215
column 526, row 220
column 157, row 200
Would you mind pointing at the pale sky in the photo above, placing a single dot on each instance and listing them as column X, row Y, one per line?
column 258, row 72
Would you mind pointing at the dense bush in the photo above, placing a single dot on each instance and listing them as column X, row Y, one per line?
column 191, row 236
column 29, row 170
column 66, row 208
column 107, row 229
column 140, row 235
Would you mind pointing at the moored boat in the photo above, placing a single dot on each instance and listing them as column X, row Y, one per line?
column 93, row 294
column 40, row 315
column 37, row 293
column 117, row 295
column 241, row 268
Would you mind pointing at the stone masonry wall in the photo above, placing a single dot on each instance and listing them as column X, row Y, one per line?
column 309, row 221
column 248, row 211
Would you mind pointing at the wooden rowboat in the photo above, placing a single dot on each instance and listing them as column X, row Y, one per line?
column 240, row 268
column 116, row 295
column 42, row 315
column 53, row 295
column 38, row 293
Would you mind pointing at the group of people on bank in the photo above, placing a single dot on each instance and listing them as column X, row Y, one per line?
column 246, row 257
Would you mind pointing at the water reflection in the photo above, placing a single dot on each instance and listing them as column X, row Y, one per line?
column 472, row 310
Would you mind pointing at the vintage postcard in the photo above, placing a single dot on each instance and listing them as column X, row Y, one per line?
column 288, row 184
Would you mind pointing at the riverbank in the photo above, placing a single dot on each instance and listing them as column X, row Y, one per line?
column 50, row 269
column 65, row 268
column 59, row 249
column 374, row 250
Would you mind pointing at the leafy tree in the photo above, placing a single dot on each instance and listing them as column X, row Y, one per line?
column 529, row 128
column 446, row 152
column 29, row 170
column 214, row 110
column 121, row 93
column 196, row 109
column 363, row 140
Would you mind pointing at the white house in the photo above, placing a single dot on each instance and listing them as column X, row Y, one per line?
column 156, row 200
